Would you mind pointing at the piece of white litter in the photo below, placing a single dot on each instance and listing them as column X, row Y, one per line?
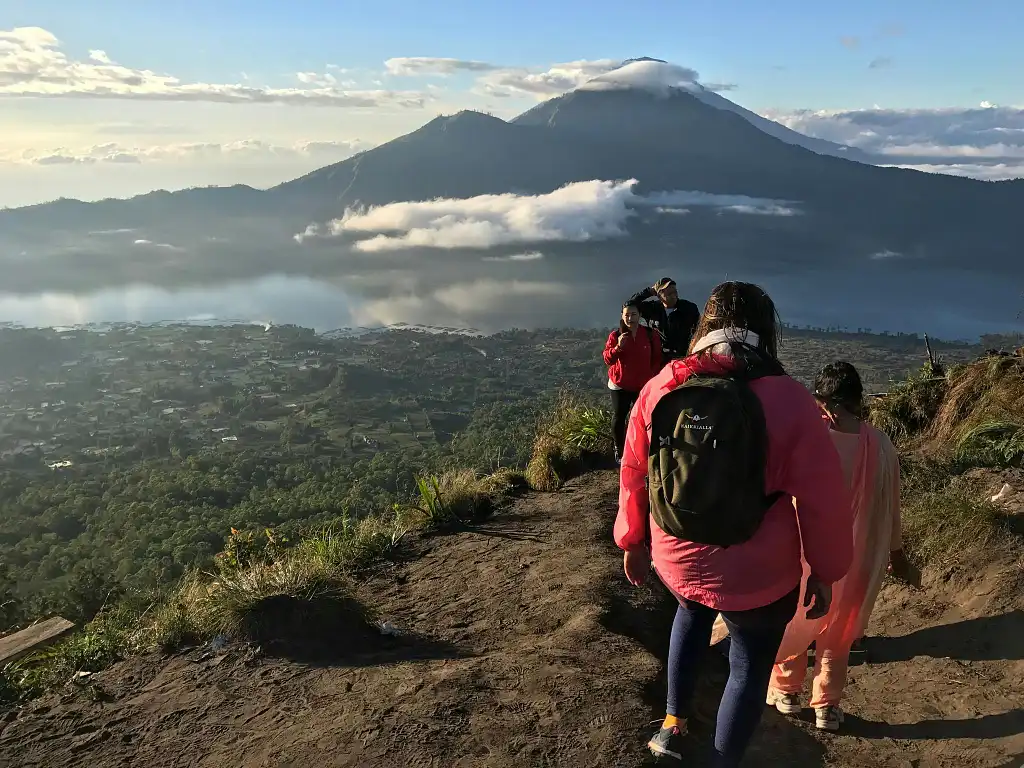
column 1005, row 491
column 387, row 628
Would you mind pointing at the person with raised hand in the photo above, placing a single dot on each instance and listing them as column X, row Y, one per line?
column 674, row 318
column 633, row 355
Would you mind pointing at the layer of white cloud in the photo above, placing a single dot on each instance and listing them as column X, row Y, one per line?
column 426, row 65
column 577, row 212
column 654, row 76
column 33, row 64
column 528, row 256
column 678, row 198
column 143, row 243
column 596, row 74
column 544, row 84
column 985, row 141
column 244, row 149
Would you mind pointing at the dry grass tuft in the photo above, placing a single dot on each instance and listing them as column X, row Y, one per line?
column 304, row 593
column 988, row 391
column 456, row 496
column 503, row 483
column 542, row 473
column 947, row 522
column 570, row 433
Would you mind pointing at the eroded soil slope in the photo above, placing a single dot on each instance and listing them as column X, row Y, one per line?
column 526, row 647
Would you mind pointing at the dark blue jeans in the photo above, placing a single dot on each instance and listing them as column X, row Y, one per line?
column 755, row 637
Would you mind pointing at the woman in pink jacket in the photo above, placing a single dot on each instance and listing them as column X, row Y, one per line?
column 755, row 582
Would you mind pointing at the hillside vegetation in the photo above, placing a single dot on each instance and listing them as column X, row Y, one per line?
column 128, row 454
column 541, row 575
column 269, row 589
column 955, row 427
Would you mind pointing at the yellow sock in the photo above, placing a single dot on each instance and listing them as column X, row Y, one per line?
column 671, row 721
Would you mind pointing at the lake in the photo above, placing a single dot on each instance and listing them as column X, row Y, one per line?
column 944, row 305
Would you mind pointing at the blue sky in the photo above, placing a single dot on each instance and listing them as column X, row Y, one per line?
column 216, row 91
column 780, row 53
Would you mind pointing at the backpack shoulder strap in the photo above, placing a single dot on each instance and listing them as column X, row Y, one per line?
column 757, row 365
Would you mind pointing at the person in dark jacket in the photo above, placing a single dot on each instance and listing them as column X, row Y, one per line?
column 675, row 319
column 633, row 356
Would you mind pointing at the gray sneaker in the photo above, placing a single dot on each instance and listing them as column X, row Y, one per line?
column 667, row 743
column 828, row 718
column 786, row 703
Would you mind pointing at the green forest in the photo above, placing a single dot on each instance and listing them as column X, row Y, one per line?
column 129, row 454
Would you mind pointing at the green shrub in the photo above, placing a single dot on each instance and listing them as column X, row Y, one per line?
column 589, row 429
column 910, row 407
column 992, row 444
column 246, row 548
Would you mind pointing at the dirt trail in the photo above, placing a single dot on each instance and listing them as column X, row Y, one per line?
column 528, row 648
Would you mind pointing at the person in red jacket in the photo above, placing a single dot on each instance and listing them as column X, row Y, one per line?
column 755, row 583
column 633, row 356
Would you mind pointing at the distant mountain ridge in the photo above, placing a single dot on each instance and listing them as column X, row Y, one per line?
column 644, row 121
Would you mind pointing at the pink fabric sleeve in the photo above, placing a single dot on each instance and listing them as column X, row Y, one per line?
column 814, row 477
column 634, row 504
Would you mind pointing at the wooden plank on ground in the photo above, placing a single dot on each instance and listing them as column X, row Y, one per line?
column 34, row 638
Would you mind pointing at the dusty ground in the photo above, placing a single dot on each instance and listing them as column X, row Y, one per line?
column 526, row 647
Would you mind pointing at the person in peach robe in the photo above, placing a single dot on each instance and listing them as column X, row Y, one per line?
column 872, row 471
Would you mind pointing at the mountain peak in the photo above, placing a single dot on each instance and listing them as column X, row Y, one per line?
column 465, row 117
column 642, row 58
column 646, row 74
column 664, row 80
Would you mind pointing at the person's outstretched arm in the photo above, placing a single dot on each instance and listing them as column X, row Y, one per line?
column 649, row 310
column 644, row 295
column 814, row 477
